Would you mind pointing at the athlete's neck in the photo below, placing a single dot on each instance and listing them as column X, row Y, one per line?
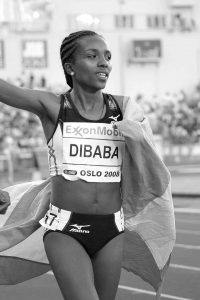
column 87, row 101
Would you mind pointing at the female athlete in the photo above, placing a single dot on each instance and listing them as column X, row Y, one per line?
column 84, row 225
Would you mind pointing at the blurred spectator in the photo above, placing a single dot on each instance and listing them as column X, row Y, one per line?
column 183, row 23
column 23, row 127
column 31, row 83
column 174, row 116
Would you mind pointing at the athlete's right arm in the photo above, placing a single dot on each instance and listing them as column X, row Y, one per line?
column 35, row 101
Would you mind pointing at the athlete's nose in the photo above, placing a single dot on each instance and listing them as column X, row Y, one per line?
column 103, row 62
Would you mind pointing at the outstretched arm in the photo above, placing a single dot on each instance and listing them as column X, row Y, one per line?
column 34, row 101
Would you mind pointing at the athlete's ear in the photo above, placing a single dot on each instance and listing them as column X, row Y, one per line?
column 69, row 68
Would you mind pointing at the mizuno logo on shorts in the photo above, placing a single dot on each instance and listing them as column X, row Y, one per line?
column 78, row 228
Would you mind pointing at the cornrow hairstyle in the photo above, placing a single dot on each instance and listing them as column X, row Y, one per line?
column 68, row 47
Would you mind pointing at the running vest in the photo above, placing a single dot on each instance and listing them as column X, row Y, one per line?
column 85, row 149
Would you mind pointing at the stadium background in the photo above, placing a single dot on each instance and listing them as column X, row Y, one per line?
column 156, row 60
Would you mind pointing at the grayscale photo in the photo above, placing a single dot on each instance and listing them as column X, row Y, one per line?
column 99, row 149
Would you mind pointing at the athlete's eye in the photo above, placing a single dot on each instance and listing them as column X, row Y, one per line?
column 108, row 56
column 91, row 55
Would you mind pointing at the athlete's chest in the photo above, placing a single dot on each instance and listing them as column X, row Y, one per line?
column 110, row 115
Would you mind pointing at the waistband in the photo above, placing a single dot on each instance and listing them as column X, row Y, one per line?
column 57, row 218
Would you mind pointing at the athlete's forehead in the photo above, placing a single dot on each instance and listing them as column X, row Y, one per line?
column 97, row 43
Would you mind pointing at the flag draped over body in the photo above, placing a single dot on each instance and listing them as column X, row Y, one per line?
column 147, row 203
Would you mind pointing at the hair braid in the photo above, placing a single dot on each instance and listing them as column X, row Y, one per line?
column 68, row 47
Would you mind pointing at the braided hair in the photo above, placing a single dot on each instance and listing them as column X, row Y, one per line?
column 68, row 47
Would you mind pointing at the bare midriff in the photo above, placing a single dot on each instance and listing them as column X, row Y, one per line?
column 86, row 197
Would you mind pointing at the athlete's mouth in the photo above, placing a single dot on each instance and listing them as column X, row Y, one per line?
column 102, row 75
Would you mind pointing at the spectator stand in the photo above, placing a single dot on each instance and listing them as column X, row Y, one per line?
column 175, row 121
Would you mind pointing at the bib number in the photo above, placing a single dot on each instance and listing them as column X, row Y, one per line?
column 92, row 151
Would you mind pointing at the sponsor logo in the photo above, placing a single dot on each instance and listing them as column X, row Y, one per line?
column 69, row 172
column 78, row 228
column 99, row 130
column 114, row 119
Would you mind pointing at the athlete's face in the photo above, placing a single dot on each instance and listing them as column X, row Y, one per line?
column 92, row 63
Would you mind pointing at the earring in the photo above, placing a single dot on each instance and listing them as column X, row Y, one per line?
column 72, row 73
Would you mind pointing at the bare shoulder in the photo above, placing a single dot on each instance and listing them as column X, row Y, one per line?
column 50, row 103
column 48, row 96
column 48, row 99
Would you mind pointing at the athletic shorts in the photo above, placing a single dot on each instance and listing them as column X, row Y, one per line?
column 92, row 231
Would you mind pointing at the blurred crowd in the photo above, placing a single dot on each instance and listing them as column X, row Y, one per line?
column 31, row 81
column 19, row 130
column 182, row 23
column 176, row 117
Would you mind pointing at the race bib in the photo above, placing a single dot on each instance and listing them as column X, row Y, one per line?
column 92, row 152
